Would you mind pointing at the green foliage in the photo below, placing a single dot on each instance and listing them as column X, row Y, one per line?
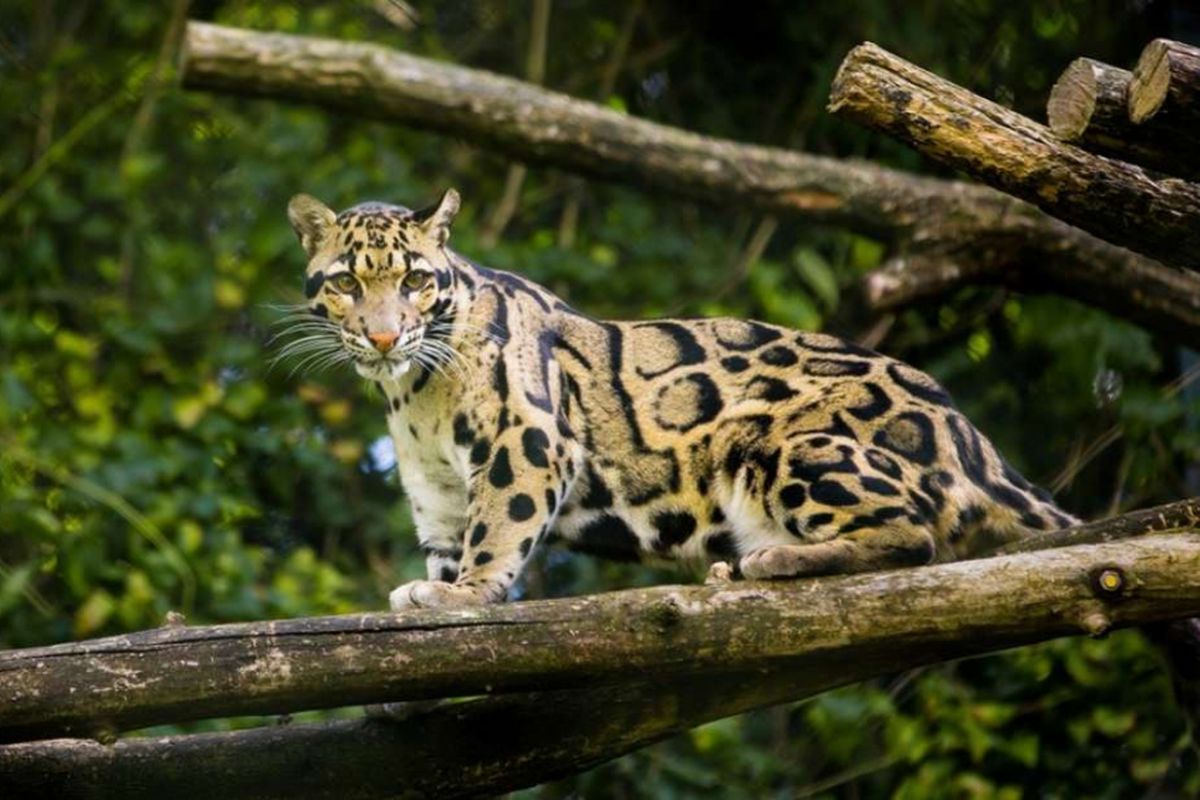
column 152, row 459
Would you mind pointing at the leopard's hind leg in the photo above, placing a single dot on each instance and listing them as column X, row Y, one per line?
column 888, row 547
column 823, row 504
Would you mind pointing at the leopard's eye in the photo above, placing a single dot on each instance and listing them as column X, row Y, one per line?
column 415, row 280
column 344, row 282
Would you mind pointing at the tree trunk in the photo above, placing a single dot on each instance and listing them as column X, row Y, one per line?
column 1115, row 201
column 539, row 126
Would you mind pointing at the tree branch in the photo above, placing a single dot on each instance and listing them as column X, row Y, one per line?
column 1113, row 200
column 539, row 126
column 1159, row 299
column 181, row 673
column 480, row 747
column 642, row 665
column 1183, row 515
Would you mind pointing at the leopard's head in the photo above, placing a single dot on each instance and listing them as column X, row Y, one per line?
column 379, row 284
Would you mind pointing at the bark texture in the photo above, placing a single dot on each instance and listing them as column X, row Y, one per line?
column 989, row 232
column 1116, row 201
column 627, row 669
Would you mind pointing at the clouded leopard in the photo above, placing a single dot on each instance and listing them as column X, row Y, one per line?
column 518, row 420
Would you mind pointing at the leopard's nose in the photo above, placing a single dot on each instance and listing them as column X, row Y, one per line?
column 383, row 342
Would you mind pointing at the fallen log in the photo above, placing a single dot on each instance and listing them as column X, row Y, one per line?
column 629, row 668
column 538, row 126
column 1088, row 107
column 1118, row 202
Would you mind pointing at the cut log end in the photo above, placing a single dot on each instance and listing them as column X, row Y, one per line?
column 1151, row 81
column 1073, row 98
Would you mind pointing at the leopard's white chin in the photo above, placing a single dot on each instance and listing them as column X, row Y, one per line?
column 383, row 369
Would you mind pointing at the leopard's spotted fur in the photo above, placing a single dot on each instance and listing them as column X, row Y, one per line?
column 518, row 420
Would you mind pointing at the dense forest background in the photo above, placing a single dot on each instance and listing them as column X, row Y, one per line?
column 152, row 457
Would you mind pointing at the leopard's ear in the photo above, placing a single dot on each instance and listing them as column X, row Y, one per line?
column 312, row 220
column 435, row 220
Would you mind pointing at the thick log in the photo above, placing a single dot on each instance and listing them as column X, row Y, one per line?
column 477, row 748
column 179, row 673
column 538, row 126
column 1087, row 104
column 1163, row 104
column 1166, row 87
column 1116, row 201
column 1088, row 107
column 670, row 658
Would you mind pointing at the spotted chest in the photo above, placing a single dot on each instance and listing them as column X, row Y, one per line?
column 432, row 471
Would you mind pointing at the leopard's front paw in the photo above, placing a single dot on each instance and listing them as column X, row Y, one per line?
column 434, row 594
